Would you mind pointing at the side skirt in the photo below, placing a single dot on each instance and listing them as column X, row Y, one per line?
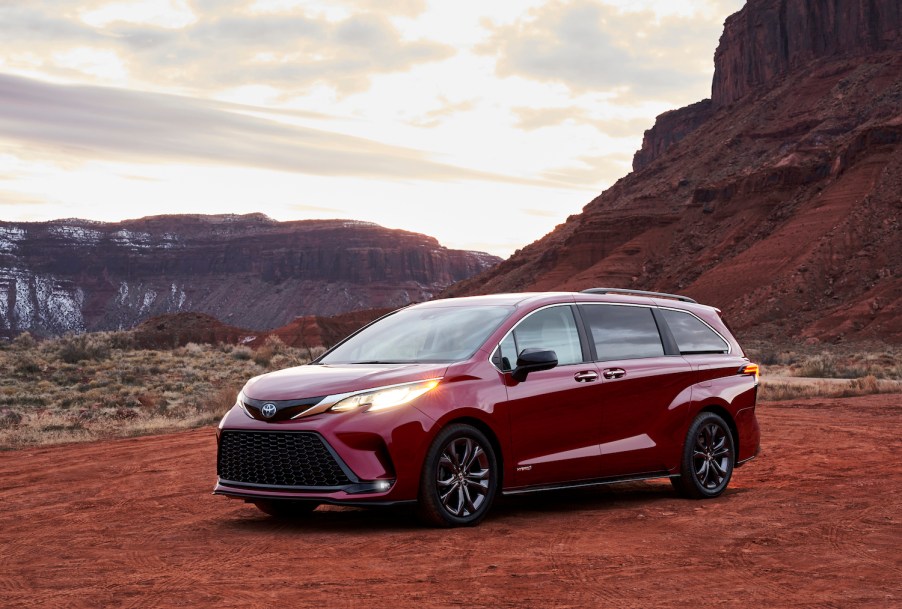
column 587, row 483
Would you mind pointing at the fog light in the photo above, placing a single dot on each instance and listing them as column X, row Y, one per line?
column 383, row 485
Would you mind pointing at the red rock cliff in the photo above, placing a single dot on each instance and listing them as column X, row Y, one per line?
column 770, row 38
column 669, row 128
column 249, row 271
column 783, row 208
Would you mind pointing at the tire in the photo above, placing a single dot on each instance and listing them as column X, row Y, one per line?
column 460, row 478
column 286, row 509
column 709, row 455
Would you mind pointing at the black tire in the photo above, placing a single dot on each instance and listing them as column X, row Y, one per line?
column 709, row 455
column 460, row 478
column 286, row 509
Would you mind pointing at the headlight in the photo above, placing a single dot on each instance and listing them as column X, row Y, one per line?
column 388, row 397
column 239, row 402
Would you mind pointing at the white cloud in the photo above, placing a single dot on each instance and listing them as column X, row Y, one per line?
column 220, row 48
column 79, row 122
column 530, row 119
column 500, row 118
column 592, row 46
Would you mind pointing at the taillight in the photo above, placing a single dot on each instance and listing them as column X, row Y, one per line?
column 750, row 370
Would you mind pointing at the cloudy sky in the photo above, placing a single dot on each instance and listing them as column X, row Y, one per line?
column 482, row 123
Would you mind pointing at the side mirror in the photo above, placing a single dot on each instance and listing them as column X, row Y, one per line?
column 533, row 360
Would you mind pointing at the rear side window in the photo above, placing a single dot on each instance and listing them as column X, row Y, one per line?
column 622, row 332
column 692, row 335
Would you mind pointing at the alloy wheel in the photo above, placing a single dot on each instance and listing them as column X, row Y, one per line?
column 463, row 476
column 711, row 457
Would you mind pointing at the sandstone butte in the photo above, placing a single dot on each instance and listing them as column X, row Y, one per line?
column 247, row 271
column 777, row 200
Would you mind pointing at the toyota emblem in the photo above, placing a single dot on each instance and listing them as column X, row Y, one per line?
column 268, row 410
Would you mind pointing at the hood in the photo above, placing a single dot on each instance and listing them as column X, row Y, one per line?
column 321, row 380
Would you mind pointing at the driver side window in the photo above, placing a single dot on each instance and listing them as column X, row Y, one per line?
column 552, row 328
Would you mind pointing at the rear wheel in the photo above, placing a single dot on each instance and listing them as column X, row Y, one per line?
column 708, row 458
column 460, row 478
column 286, row 509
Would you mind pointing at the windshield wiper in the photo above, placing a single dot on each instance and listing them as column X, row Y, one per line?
column 381, row 361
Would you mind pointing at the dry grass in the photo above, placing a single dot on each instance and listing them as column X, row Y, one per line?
column 816, row 371
column 775, row 391
column 836, row 362
column 87, row 387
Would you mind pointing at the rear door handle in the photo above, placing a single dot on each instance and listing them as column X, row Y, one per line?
column 586, row 376
column 613, row 373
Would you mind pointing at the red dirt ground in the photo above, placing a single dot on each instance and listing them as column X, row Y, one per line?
column 816, row 521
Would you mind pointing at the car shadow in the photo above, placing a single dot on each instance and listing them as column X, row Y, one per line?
column 602, row 499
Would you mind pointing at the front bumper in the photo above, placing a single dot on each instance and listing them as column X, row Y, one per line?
column 377, row 457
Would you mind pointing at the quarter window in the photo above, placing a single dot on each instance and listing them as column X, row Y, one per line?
column 692, row 335
column 621, row 332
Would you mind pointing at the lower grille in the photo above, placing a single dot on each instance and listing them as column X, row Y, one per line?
column 278, row 459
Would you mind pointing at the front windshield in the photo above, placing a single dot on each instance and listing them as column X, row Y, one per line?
column 421, row 335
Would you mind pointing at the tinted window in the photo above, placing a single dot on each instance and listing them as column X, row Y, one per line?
column 506, row 354
column 553, row 328
column 427, row 334
column 693, row 336
column 622, row 332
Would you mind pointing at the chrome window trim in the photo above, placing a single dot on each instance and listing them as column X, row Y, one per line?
column 719, row 335
column 610, row 304
column 530, row 314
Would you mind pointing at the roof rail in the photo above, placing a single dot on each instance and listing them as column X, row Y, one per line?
column 638, row 293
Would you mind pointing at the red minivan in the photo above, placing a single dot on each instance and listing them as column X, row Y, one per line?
column 450, row 402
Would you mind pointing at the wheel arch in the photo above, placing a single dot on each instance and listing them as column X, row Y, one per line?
column 724, row 414
column 489, row 433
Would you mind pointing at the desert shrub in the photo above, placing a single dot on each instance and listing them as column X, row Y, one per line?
column 119, row 340
column 124, row 414
column 765, row 358
column 9, row 418
column 285, row 360
column 24, row 341
column 819, row 366
column 773, row 357
column 193, row 349
column 218, row 401
column 74, row 348
column 865, row 385
column 27, row 364
column 152, row 402
column 242, row 353
column 827, row 365
column 271, row 347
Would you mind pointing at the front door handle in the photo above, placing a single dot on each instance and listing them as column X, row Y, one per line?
column 613, row 373
column 586, row 376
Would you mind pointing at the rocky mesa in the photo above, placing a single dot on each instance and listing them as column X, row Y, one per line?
column 778, row 200
column 249, row 271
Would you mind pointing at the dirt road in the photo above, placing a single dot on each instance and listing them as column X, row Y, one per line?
column 816, row 521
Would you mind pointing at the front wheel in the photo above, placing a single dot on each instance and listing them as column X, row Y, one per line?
column 708, row 457
column 460, row 478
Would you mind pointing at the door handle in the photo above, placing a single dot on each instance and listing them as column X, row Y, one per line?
column 613, row 373
column 586, row 376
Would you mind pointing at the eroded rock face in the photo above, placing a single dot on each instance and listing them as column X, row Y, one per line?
column 669, row 128
column 770, row 38
column 249, row 271
column 782, row 208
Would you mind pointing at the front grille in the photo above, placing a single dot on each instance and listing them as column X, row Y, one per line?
column 278, row 459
